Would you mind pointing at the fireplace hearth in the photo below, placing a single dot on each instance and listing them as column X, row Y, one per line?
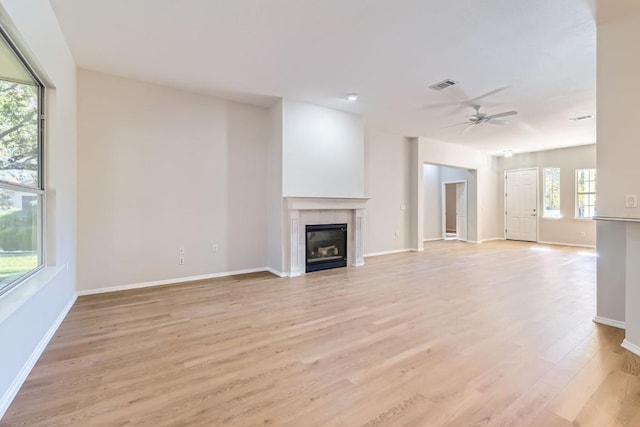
column 326, row 246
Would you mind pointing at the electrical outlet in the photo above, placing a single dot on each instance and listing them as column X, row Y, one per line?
column 631, row 201
column 215, row 247
column 181, row 260
column 181, row 250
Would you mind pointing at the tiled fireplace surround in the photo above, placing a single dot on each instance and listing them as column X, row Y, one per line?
column 303, row 211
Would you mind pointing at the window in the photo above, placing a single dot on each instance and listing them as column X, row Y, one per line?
column 551, row 193
column 586, row 193
column 21, row 186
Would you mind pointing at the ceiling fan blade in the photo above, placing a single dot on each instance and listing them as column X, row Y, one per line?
column 473, row 101
column 457, row 124
column 468, row 128
column 462, row 99
column 505, row 114
column 498, row 122
column 439, row 105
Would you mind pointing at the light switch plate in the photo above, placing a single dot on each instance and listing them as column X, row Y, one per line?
column 631, row 201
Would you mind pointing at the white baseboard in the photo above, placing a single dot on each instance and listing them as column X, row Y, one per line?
column 609, row 322
column 493, row 239
column 631, row 347
column 435, row 239
column 416, row 250
column 17, row 382
column 276, row 272
column 576, row 245
column 395, row 251
column 169, row 281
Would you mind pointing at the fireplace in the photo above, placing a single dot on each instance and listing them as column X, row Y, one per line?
column 326, row 246
column 303, row 211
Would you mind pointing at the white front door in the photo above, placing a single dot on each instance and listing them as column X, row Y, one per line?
column 461, row 210
column 521, row 201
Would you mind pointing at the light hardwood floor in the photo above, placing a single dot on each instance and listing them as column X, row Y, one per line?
column 498, row 334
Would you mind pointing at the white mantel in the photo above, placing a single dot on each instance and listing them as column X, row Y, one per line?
column 301, row 203
column 303, row 211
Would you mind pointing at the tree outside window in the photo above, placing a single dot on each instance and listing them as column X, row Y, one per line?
column 551, row 193
column 21, row 187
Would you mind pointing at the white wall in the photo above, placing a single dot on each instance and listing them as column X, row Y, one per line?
column 434, row 177
column 618, row 132
column 459, row 174
column 432, row 202
column 611, row 270
column 447, row 154
column 275, row 204
column 161, row 169
column 632, row 287
column 489, row 197
column 566, row 230
column 618, row 174
column 30, row 314
column 244, row 245
column 322, row 152
column 387, row 183
column 430, row 151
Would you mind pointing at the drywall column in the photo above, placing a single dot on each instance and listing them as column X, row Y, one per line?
column 612, row 268
column 618, row 90
column 275, row 205
column 632, row 294
column 416, row 178
column 432, row 203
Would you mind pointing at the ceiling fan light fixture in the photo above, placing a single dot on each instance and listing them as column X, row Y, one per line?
column 479, row 119
column 507, row 153
column 352, row 97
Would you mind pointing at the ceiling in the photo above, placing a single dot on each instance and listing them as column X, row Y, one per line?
column 543, row 53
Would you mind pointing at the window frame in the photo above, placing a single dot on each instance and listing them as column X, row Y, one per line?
column 579, row 193
column 544, row 198
column 39, row 189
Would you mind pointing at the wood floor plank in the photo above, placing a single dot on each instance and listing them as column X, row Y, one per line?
column 498, row 334
column 578, row 392
column 616, row 400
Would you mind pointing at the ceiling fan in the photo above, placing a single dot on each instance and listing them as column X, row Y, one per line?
column 478, row 119
column 462, row 100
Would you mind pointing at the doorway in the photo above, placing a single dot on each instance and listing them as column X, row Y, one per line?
column 521, row 204
column 454, row 210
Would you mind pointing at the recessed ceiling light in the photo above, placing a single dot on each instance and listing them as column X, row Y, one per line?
column 575, row 119
column 352, row 97
column 508, row 153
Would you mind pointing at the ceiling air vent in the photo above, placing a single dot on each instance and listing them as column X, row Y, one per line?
column 443, row 84
column 575, row 119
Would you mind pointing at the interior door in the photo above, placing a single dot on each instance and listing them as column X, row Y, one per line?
column 521, row 198
column 461, row 210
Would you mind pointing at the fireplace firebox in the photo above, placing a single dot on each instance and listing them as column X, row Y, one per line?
column 326, row 246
